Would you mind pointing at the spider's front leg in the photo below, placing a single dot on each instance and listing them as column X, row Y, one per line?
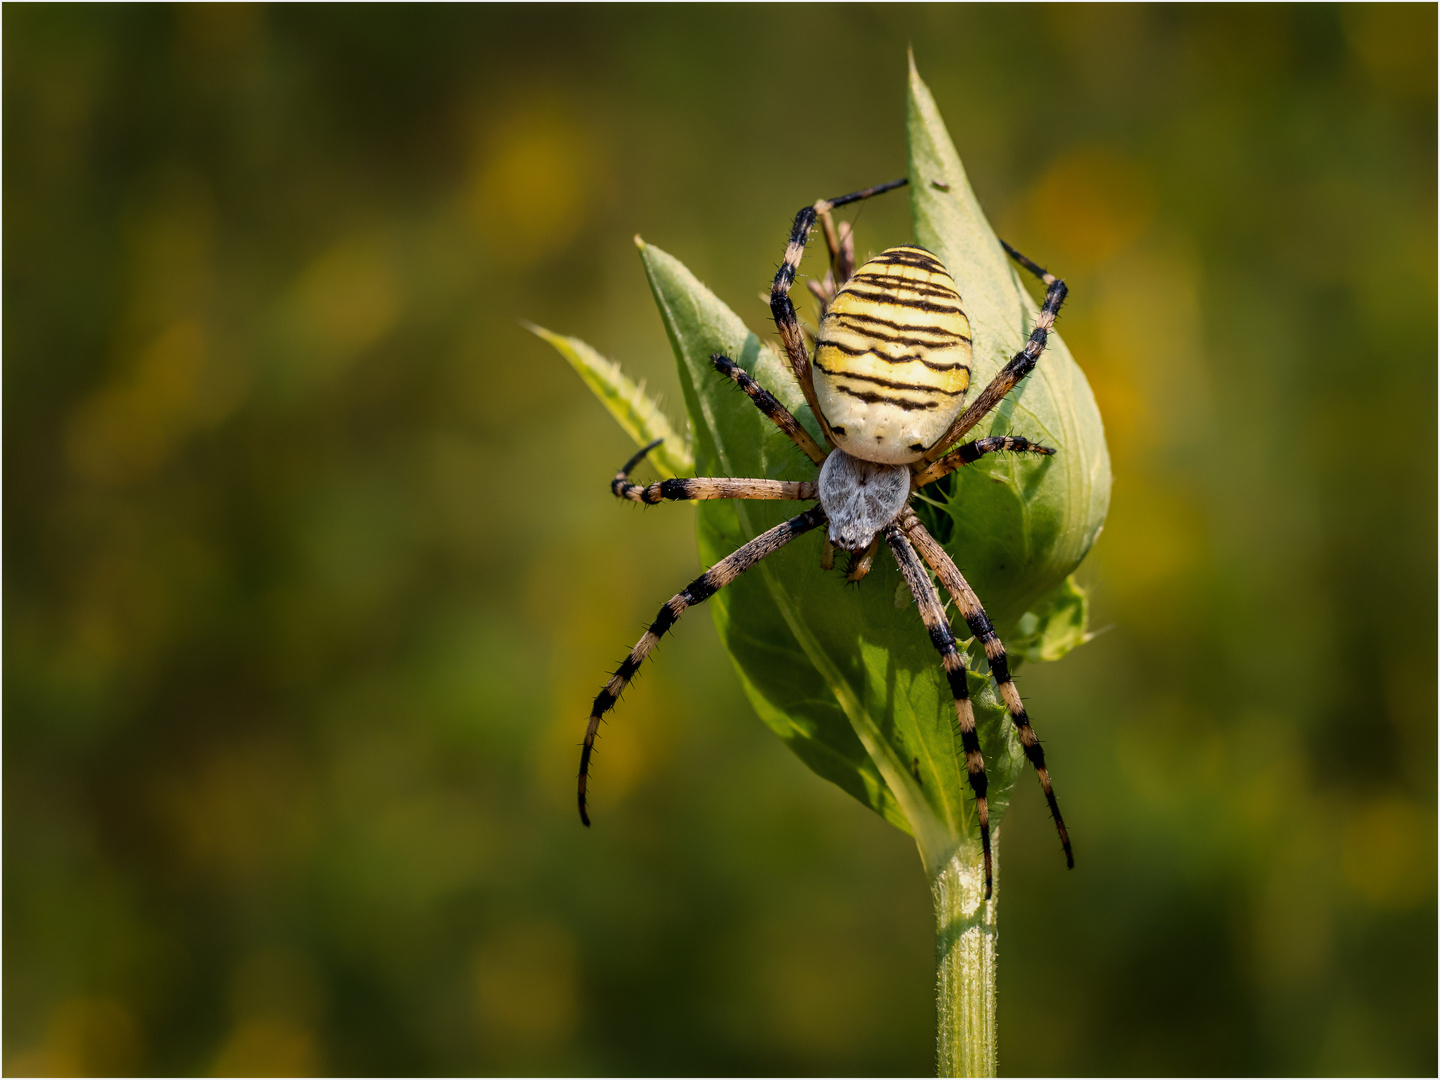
column 933, row 615
column 697, row 592
column 974, row 615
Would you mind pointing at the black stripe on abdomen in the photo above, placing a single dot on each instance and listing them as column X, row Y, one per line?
column 950, row 339
column 890, row 383
column 907, row 404
column 932, row 365
column 890, row 299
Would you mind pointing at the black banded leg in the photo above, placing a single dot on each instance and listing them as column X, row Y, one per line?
column 765, row 401
column 933, row 615
column 704, row 487
column 971, row 452
column 968, row 604
column 695, row 488
column 697, row 592
column 781, row 307
column 1020, row 365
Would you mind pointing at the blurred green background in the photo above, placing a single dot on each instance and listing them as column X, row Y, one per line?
column 311, row 569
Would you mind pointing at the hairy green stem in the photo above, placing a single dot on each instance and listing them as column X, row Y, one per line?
column 965, row 959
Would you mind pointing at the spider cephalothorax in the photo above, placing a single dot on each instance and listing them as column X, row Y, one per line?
column 887, row 387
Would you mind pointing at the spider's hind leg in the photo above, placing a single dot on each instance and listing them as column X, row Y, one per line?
column 781, row 307
column 765, row 401
column 1020, row 365
column 841, row 244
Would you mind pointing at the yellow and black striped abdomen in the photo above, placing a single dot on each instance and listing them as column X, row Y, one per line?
column 892, row 361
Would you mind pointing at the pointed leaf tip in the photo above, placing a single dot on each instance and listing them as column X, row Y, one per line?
column 638, row 415
column 1050, row 511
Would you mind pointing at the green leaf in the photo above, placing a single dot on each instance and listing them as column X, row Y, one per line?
column 1016, row 525
column 847, row 676
column 1057, row 623
column 627, row 401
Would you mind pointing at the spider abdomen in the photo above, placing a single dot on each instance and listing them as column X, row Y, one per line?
column 892, row 359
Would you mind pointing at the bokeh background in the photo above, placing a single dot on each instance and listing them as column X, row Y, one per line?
column 311, row 569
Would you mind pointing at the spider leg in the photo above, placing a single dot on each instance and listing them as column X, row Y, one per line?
column 780, row 416
column 933, row 615
column 841, row 245
column 781, row 307
column 1020, row 365
column 974, row 615
column 698, row 591
column 860, row 564
column 704, row 487
column 971, row 452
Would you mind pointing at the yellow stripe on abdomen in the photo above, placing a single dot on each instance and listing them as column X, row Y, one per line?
column 892, row 360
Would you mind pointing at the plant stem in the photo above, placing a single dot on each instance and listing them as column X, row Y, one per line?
column 965, row 964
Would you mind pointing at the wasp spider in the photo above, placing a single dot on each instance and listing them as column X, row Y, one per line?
column 887, row 385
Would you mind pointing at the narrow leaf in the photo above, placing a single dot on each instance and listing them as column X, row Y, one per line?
column 1017, row 525
column 627, row 401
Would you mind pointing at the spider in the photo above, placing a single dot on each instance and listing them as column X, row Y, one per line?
column 887, row 385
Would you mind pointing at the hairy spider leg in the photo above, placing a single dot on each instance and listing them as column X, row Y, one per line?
column 971, row 452
column 704, row 487
column 860, row 564
column 933, row 615
column 841, row 245
column 974, row 615
column 781, row 307
column 1020, row 365
column 765, row 401
column 697, row 592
